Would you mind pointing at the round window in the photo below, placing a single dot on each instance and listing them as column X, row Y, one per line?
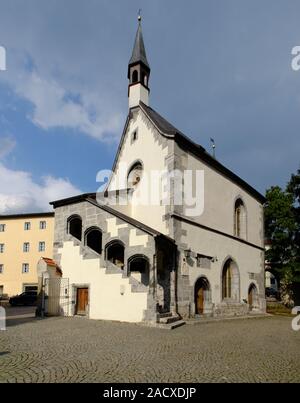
column 135, row 175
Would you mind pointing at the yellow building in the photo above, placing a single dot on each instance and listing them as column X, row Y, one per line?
column 24, row 239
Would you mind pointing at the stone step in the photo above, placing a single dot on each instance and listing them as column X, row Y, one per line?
column 165, row 314
column 169, row 319
column 171, row 326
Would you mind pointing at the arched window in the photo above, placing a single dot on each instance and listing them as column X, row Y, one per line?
column 75, row 226
column 145, row 79
column 134, row 175
column 93, row 239
column 115, row 253
column 239, row 219
column 138, row 266
column 230, row 281
column 135, row 76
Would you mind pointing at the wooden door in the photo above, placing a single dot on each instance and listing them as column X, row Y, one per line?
column 200, row 300
column 250, row 298
column 82, row 301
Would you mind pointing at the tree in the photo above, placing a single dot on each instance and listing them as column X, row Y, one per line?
column 282, row 228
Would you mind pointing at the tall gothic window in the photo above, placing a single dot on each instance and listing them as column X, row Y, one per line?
column 239, row 219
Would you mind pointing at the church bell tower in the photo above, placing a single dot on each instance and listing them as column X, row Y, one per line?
column 138, row 71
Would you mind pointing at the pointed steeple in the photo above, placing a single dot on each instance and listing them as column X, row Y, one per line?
column 138, row 71
column 139, row 52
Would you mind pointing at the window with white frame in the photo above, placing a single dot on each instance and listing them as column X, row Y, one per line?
column 25, row 267
column 2, row 227
column 26, row 247
column 1, row 247
column 43, row 225
column 27, row 226
column 42, row 246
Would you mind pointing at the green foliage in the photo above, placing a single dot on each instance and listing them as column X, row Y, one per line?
column 282, row 228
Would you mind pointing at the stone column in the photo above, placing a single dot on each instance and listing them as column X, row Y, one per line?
column 173, row 291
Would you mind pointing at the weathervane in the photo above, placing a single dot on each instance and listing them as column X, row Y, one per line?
column 213, row 147
column 139, row 15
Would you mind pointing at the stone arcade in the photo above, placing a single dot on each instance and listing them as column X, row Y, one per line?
column 154, row 262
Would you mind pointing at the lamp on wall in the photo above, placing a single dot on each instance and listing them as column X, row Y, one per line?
column 187, row 253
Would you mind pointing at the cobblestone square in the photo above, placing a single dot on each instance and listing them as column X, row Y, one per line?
column 80, row 350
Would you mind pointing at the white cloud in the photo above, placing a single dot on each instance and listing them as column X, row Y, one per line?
column 55, row 106
column 19, row 193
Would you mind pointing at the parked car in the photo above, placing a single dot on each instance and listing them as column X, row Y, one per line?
column 270, row 292
column 26, row 298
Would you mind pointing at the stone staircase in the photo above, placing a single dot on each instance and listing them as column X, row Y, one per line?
column 169, row 321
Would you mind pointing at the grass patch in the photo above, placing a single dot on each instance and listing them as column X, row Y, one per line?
column 277, row 308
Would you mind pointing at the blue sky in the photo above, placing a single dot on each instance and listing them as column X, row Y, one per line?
column 219, row 69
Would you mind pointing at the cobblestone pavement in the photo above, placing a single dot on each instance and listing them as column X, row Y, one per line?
column 81, row 350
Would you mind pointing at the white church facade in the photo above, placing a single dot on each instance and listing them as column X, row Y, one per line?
column 142, row 251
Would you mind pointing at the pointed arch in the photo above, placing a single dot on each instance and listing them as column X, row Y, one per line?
column 230, row 280
column 252, row 296
column 240, row 218
column 202, row 294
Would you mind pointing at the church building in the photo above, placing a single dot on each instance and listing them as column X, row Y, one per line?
column 174, row 235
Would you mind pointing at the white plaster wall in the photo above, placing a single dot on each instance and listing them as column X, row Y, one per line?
column 220, row 195
column 106, row 301
column 248, row 260
column 138, row 93
column 152, row 155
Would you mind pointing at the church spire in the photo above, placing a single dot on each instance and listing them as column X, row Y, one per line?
column 138, row 71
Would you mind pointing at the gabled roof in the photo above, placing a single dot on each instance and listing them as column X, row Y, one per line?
column 139, row 52
column 167, row 129
column 50, row 262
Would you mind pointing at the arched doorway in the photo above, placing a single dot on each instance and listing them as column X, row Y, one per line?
column 252, row 297
column 230, row 281
column 202, row 295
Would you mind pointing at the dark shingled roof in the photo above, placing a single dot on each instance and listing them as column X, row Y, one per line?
column 185, row 143
column 139, row 52
column 92, row 198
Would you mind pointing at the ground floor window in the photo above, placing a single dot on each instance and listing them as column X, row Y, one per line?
column 30, row 287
